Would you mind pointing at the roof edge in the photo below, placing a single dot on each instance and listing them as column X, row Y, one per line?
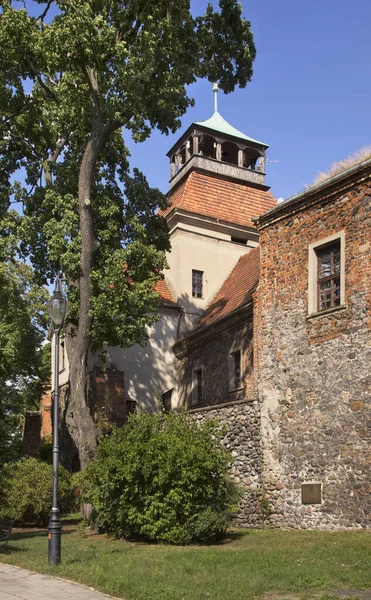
column 280, row 209
column 190, row 341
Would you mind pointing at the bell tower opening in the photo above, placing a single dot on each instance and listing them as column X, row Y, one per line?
column 216, row 147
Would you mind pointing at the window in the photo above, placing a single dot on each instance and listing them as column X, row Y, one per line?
column 197, row 277
column 166, row 400
column 238, row 240
column 62, row 356
column 197, row 385
column 326, row 274
column 235, row 370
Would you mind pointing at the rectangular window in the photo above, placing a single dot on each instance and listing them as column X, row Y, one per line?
column 166, row 400
column 197, row 386
column 235, row 370
column 197, row 280
column 62, row 356
column 328, row 271
column 326, row 274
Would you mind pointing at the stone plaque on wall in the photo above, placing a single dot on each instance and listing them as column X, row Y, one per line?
column 311, row 493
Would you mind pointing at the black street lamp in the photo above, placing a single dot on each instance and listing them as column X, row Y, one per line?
column 57, row 311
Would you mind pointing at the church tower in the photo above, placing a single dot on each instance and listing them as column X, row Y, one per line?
column 217, row 184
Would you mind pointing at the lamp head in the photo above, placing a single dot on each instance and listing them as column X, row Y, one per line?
column 57, row 306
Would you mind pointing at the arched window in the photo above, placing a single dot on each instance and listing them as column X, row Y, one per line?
column 250, row 159
column 207, row 146
column 230, row 153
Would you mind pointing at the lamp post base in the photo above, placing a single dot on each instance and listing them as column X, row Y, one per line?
column 54, row 537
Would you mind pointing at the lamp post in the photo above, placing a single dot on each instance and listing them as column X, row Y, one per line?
column 57, row 311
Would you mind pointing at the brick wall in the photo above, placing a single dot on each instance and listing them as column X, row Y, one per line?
column 210, row 348
column 314, row 373
column 31, row 433
column 107, row 393
column 46, row 415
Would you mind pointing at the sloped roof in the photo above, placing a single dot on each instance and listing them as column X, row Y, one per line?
column 236, row 290
column 219, row 199
column 218, row 123
column 165, row 294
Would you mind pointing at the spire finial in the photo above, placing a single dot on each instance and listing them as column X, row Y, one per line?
column 215, row 90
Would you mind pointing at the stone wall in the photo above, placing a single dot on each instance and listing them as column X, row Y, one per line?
column 242, row 439
column 314, row 371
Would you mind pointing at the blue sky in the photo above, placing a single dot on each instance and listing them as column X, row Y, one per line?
column 309, row 98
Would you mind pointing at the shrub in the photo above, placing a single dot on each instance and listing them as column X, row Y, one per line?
column 27, row 492
column 45, row 452
column 161, row 478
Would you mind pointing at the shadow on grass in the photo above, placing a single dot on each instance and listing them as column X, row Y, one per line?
column 229, row 538
column 232, row 536
column 30, row 533
column 9, row 550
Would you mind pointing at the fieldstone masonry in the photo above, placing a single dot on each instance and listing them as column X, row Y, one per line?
column 314, row 371
column 242, row 423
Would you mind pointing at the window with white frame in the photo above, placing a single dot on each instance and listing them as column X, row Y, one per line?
column 235, row 369
column 326, row 274
column 197, row 385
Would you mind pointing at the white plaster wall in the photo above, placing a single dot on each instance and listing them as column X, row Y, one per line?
column 215, row 257
column 63, row 373
column 151, row 370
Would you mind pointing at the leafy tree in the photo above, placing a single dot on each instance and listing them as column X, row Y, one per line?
column 161, row 478
column 75, row 77
column 26, row 491
column 24, row 364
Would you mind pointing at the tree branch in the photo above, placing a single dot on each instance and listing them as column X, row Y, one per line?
column 43, row 15
column 7, row 119
column 52, row 159
column 92, row 80
column 36, row 74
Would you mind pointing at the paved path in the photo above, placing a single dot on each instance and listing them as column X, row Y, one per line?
column 20, row 584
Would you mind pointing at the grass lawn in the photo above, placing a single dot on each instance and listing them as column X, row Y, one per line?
column 246, row 565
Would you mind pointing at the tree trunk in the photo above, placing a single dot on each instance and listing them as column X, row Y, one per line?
column 79, row 419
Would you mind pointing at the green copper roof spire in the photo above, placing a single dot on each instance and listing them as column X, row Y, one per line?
column 217, row 123
column 215, row 90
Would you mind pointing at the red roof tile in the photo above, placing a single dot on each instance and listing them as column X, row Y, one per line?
column 162, row 289
column 236, row 290
column 220, row 199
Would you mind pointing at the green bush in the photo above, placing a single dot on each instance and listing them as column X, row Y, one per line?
column 161, row 478
column 26, row 495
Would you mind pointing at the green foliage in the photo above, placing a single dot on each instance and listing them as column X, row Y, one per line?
column 161, row 478
column 75, row 78
column 95, row 69
column 26, row 491
column 24, row 363
column 264, row 506
column 45, row 451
